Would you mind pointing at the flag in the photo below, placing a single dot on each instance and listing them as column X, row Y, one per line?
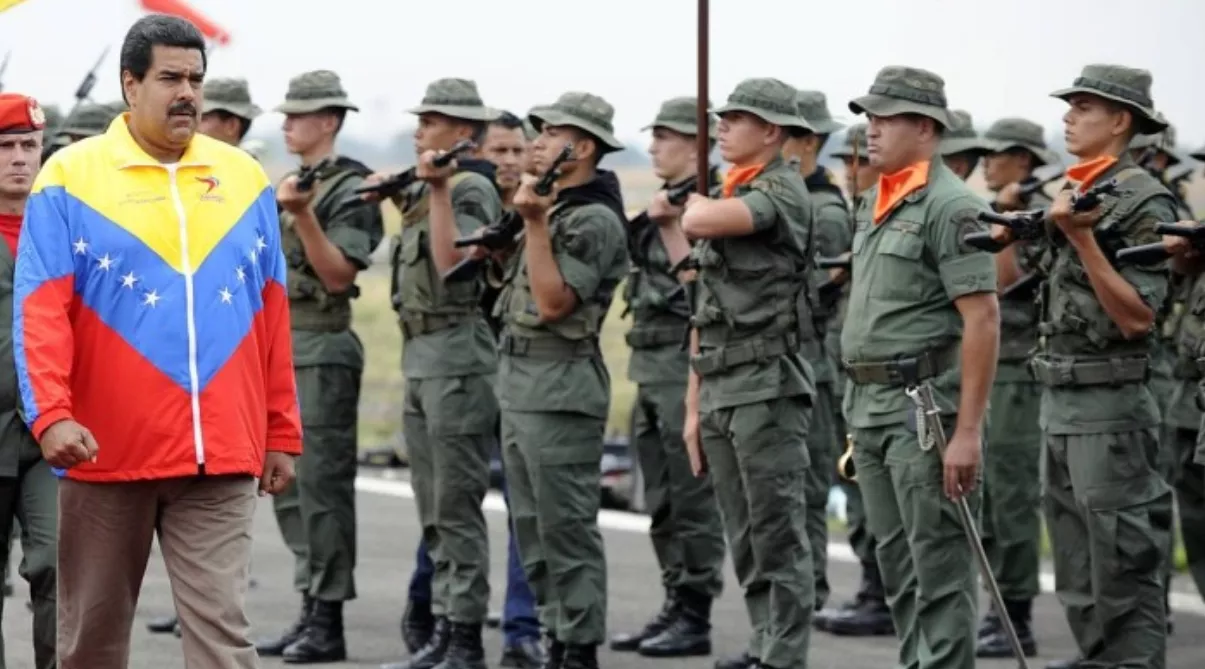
column 183, row 10
column 6, row 5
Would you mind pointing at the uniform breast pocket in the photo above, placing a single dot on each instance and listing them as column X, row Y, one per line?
column 898, row 258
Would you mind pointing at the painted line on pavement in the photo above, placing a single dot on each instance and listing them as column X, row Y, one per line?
column 622, row 521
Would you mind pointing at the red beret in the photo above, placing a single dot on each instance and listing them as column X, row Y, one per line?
column 20, row 113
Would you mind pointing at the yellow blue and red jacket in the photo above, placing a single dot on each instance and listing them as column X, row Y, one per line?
column 150, row 306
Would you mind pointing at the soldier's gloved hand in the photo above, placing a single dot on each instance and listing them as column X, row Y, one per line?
column 1009, row 198
column 292, row 199
column 372, row 180
column 1070, row 221
column 67, row 444
column 661, row 211
column 961, row 463
column 278, row 473
column 532, row 207
column 427, row 171
column 694, row 444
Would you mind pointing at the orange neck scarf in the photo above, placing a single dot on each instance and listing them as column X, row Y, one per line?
column 739, row 176
column 893, row 188
column 1087, row 172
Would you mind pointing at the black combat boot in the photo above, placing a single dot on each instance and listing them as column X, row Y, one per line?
column 1020, row 612
column 742, row 661
column 464, row 647
column 556, row 654
column 164, row 625
column 1074, row 663
column 658, row 624
column 273, row 647
column 580, row 656
column 869, row 590
column 322, row 640
column 418, row 623
column 990, row 624
column 688, row 634
column 525, row 653
column 430, row 654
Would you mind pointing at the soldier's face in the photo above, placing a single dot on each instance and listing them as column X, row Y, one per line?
column 1092, row 123
column 20, row 160
column 865, row 174
column 673, row 153
column 1003, row 168
column 506, row 148
column 164, row 106
column 221, row 127
column 547, row 146
column 303, row 132
column 893, row 142
column 742, row 137
column 436, row 132
column 961, row 164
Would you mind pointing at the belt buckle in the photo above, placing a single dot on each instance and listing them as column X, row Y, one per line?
column 759, row 351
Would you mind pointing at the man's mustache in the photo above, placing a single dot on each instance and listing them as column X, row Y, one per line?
column 182, row 108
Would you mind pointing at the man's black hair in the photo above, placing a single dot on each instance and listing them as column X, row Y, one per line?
column 509, row 121
column 157, row 30
column 243, row 124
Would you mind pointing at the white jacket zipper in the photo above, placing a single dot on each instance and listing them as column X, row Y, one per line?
column 190, row 311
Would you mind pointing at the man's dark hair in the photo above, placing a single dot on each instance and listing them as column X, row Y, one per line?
column 157, row 30
column 508, row 120
column 243, row 124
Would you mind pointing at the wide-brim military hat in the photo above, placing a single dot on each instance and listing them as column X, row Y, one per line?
column 232, row 96
column 315, row 91
column 1199, row 154
column 906, row 90
column 246, row 110
column 1156, row 141
column 855, row 135
column 813, row 107
column 455, row 98
column 1019, row 133
column 769, row 99
column 1125, row 85
column 681, row 116
column 583, row 111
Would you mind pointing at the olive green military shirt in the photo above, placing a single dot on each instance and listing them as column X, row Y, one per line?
column 469, row 347
column 1019, row 313
column 658, row 308
column 589, row 245
column 831, row 236
column 782, row 218
column 1104, row 409
column 356, row 231
column 907, row 272
column 1188, row 344
column 17, row 444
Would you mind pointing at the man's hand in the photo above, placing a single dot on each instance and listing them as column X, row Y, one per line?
column 661, row 211
column 291, row 199
column 1070, row 221
column 427, row 171
column 1009, row 198
column 961, row 463
column 372, row 180
column 1181, row 246
column 693, row 199
column 532, row 207
column 278, row 473
column 1001, row 234
column 67, row 444
column 839, row 275
column 694, row 443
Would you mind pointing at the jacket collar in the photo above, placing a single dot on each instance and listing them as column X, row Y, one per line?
column 125, row 152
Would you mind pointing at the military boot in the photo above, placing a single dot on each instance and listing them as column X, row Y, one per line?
column 273, row 647
column 688, row 634
column 1074, row 663
column 164, row 625
column 872, row 617
column 418, row 623
column 870, row 588
column 322, row 640
column 580, row 656
column 464, row 647
column 525, row 653
column 1020, row 612
column 990, row 625
column 432, row 653
column 742, row 661
column 556, row 654
column 658, row 624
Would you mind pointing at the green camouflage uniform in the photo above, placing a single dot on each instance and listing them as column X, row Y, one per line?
column 756, row 389
column 960, row 141
column 1183, row 423
column 832, row 232
column 1108, row 510
column 28, row 490
column 448, row 361
column 317, row 515
column 685, row 528
column 907, row 271
column 1011, row 521
column 555, row 392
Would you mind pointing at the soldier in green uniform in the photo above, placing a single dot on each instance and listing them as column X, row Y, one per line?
column 750, row 393
column 922, row 303
column 1012, row 526
column 327, row 242
column 1108, row 509
column 28, row 487
column 867, row 614
column 961, row 148
column 553, row 386
column 831, row 233
column 448, row 361
column 685, row 528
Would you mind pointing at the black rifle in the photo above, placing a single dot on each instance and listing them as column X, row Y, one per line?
column 82, row 94
column 839, row 262
column 1037, row 182
column 396, row 183
column 506, row 231
column 1149, row 254
column 307, row 176
column 1031, row 225
column 829, row 291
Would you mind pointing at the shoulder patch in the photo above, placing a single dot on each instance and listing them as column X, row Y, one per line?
column 965, row 222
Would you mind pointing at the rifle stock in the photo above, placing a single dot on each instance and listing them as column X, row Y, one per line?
column 399, row 182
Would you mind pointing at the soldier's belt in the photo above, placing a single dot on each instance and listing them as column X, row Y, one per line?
column 309, row 319
column 548, row 348
column 1188, row 370
column 759, row 350
column 1054, row 372
column 887, row 372
column 416, row 324
column 655, row 336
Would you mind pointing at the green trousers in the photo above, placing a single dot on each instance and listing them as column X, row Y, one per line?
column 1109, row 513
column 449, row 425
column 929, row 572
column 1012, row 489
column 685, row 528
column 823, row 447
column 31, row 498
column 552, row 475
column 758, row 458
column 1189, row 478
column 317, row 514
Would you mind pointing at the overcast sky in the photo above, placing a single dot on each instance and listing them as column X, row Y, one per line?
column 1000, row 62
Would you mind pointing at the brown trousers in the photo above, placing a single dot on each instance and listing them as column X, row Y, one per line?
column 105, row 533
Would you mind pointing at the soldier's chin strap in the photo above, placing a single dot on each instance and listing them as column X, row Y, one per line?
column 930, row 432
